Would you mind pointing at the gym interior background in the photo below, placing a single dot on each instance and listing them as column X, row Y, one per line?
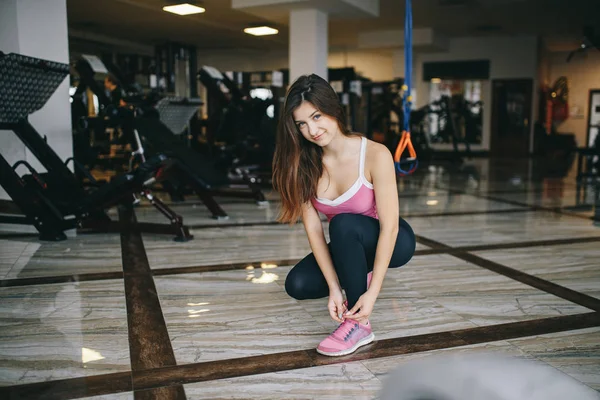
column 139, row 252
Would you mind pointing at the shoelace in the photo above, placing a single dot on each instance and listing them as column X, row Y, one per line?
column 347, row 328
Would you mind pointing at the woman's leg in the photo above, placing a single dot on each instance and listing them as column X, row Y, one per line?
column 306, row 281
column 353, row 245
column 354, row 238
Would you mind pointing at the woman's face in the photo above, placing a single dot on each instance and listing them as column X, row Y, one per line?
column 315, row 126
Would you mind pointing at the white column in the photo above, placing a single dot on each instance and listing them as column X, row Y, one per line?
column 38, row 29
column 308, row 43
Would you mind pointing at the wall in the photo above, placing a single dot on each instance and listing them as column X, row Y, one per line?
column 243, row 60
column 510, row 57
column 373, row 65
column 377, row 66
column 47, row 41
column 583, row 74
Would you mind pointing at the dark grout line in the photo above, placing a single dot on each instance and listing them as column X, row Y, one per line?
column 12, row 236
column 533, row 281
column 523, row 329
column 438, row 248
column 200, row 204
column 70, row 388
column 155, row 376
column 432, row 243
column 233, row 225
column 492, row 198
column 523, row 208
column 408, row 215
column 532, row 207
column 149, row 342
column 503, row 191
column 463, row 213
column 161, row 393
column 46, row 280
column 220, row 267
column 175, row 376
column 167, row 378
column 520, row 245
column 232, row 368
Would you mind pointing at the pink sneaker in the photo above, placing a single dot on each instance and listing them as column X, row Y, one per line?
column 347, row 337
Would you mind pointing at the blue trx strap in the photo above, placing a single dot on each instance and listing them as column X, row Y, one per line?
column 406, row 101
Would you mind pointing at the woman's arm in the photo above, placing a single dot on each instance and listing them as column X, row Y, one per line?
column 383, row 175
column 316, row 239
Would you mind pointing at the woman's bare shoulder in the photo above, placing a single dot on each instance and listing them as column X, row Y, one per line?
column 376, row 149
column 377, row 157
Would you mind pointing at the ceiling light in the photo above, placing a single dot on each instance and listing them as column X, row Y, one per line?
column 261, row 31
column 184, row 9
column 436, row 80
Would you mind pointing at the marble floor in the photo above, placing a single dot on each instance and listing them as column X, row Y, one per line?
column 507, row 267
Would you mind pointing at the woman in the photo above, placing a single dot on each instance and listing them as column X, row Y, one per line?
column 319, row 166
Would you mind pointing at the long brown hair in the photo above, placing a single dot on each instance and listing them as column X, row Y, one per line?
column 297, row 163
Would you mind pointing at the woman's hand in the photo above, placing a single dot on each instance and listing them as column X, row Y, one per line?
column 365, row 303
column 336, row 305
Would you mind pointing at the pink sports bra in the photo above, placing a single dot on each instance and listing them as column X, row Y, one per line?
column 359, row 199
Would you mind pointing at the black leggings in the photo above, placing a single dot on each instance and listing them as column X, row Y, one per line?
column 352, row 246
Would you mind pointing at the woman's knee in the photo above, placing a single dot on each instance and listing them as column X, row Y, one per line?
column 408, row 235
column 297, row 286
column 405, row 245
column 340, row 222
column 343, row 225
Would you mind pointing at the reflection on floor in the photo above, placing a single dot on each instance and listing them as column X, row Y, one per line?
column 69, row 312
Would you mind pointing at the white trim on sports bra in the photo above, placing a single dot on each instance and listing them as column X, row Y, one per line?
column 348, row 194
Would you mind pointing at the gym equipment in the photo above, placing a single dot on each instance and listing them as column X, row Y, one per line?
column 382, row 111
column 410, row 162
column 239, row 130
column 383, row 117
column 345, row 81
column 174, row 68
column 269, row 86
column 132, row 92
column 94, row 127
column 588, row 163
column 588, row 178
column 197, row 171
column 194, row 169
column 406, row 165
column 176, row 113
column 55, row 201
column 188, row 167
column 451, row 114
column 348, row 86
